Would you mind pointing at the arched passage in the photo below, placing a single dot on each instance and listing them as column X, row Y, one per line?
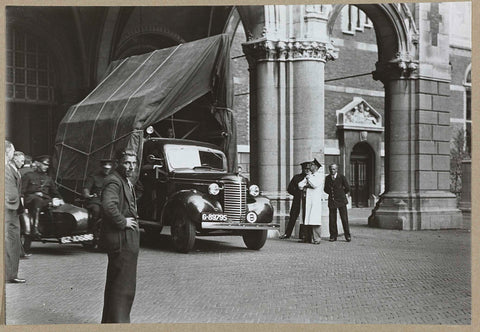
column 288, row 49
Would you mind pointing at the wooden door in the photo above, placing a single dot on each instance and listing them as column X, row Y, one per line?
column 359, row 180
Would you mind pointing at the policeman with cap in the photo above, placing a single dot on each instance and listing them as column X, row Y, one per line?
column 298, row 198
column 92, row 189
column 39, row 190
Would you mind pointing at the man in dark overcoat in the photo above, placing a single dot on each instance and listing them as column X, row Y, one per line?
column 298, row 199
column 120, row 237
column 336, row 186
column 13, row 244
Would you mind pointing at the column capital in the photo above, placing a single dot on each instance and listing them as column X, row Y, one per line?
column 262, row 49
column 402, row 67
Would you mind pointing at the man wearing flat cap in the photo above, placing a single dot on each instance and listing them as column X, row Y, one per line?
column 298, row 199
column 92, row 191
column 313, row 202
column 39, row 190
column 336, row 186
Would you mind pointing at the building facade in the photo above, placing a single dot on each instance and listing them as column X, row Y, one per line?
column 379, row 89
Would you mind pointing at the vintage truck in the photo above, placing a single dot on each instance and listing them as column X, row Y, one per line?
column 186, row 186
column 190, row 185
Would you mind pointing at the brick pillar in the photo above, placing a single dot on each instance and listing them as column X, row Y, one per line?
column 417, row 162
column 465, row 204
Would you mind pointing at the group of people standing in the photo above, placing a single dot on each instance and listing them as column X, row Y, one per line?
column 110, row 195
column 28, row 190
column 307, row 190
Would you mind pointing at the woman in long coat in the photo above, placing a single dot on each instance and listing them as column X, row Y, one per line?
column 313, row 184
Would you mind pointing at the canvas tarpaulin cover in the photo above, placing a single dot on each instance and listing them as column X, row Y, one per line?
column 137, row 92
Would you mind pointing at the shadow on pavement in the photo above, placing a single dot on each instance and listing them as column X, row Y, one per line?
column 56, row 249
column 212, row 244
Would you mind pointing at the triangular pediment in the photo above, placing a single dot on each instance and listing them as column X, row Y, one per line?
column 359, row 115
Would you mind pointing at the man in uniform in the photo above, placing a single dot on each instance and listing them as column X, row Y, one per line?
column 298, row 199
column 92, row 190
column 39, row 190
column 120, row 237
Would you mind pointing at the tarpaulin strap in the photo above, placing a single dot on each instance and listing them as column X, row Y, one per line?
column 105, row 103
column 139, row 87
column 116, row 140
column 67, row 188
column 74, row 110
column 72, row 148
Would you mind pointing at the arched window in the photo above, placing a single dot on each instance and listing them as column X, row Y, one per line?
column 30, row 74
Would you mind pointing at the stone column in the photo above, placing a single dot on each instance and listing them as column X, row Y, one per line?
column 417, row 161
column 287, row 112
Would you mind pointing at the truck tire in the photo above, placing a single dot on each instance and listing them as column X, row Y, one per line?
column 183, row 233
column 255, row 240
column 26, row 241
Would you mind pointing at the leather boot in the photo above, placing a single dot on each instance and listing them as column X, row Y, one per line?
column 36, row 219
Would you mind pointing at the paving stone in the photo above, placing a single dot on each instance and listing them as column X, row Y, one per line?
column 382, row 276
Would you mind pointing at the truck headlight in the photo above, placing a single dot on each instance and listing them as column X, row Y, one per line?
column 150, row 130
column 213, row 189
column 254, row 190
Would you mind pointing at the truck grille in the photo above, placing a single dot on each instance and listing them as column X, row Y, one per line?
column 235, row 201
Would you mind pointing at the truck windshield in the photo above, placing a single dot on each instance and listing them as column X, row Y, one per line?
column 190, row 157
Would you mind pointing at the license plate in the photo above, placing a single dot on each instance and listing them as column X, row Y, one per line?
column 76, row 238
column 214, row 217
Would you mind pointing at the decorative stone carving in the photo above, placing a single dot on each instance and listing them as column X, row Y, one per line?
column 410, row 22
column 359, row 115
column 363, row 136
column 403, row 66
column 269, row 50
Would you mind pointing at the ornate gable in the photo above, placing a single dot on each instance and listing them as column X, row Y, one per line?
column 359, row 115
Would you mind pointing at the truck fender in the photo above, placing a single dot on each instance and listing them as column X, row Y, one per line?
column 192, row 202
column 263, row 208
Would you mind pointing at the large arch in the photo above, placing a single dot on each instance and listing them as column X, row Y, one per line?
column 288, row 47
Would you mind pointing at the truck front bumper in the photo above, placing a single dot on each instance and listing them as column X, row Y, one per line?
column 236, row 225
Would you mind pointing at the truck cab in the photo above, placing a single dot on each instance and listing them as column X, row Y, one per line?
column 186, row 186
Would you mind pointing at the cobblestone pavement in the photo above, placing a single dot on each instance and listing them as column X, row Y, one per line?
column 382, row 276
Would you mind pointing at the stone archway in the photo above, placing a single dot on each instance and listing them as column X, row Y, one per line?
column 288, row 48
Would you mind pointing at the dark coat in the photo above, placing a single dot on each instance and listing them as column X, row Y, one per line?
column 12, row 223
column 94, row 184
column 37, row 181
column 122, row 245
column 336, row 190
column 12, row 188
column 118, row 203
column 293, row 187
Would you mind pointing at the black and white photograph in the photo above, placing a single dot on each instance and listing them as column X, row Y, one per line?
column 289, row 164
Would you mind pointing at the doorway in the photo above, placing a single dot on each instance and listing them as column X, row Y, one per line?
column 361, row 174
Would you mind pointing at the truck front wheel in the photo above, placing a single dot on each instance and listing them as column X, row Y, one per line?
column 255, row 239
column 183, row 233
